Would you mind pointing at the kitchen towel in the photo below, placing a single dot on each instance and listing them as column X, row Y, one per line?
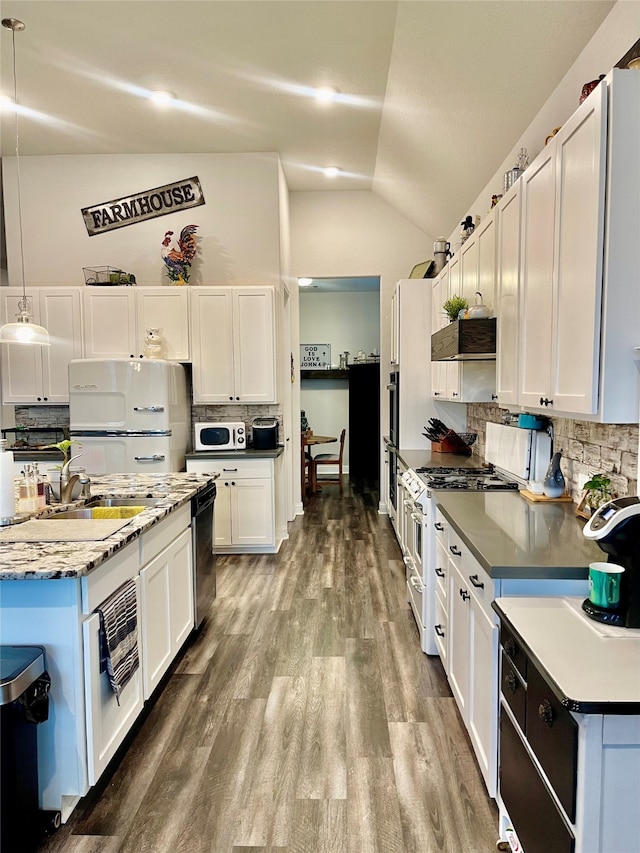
column 119, row 636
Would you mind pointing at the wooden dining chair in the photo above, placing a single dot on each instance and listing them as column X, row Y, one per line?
column 330, row 459
column 307, row 469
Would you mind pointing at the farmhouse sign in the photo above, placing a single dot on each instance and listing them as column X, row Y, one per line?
column 315, row 356
column 147, row 204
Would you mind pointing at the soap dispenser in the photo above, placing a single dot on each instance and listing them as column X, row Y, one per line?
column 554, row 484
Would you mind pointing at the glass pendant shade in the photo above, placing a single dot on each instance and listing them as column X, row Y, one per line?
column 24, row 330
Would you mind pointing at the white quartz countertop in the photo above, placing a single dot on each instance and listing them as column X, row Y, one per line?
column 55, row 560
column 594, row 667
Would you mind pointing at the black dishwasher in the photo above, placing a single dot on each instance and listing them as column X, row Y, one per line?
column 204, row 574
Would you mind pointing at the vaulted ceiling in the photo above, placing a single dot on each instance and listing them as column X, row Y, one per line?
column 431, row 94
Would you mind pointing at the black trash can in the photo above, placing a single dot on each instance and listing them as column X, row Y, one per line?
column 24, row 702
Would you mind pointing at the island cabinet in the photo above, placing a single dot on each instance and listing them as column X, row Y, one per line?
column 39, row 374
column 86, row 724
column 234, row 344
column 116, row 320
column 579, row 262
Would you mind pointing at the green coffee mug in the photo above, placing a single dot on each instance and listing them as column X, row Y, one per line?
column 604, row 584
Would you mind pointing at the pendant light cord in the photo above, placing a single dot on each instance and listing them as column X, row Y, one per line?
column 15, row 108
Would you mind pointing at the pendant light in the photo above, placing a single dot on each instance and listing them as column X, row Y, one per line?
column 23, row 330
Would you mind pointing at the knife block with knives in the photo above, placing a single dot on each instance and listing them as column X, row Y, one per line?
column 445, row 440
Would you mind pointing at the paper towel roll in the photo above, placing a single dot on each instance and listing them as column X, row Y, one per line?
column 7, row 485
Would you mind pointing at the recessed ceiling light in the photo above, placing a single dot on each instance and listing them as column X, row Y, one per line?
column 325, row 94
column 305, row 282
column 161, row 99
column 331, row 171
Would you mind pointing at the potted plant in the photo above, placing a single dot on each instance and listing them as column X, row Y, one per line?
column 64, row 472
column 597, row 491
column 454, row 306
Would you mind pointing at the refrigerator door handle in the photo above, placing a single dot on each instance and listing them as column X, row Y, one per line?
column 148, row 408
column 157, row 457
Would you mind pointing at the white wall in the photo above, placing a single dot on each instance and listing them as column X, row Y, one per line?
column 238, row 226
column 347, row 321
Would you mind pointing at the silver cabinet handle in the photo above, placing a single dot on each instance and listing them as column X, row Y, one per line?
column 415, row 583
column 148, row 408
column 416, row 516
column 157, row 457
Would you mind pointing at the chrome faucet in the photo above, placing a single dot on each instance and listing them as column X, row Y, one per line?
column 68, row 482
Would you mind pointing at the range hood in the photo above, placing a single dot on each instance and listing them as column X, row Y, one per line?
column 465, row 340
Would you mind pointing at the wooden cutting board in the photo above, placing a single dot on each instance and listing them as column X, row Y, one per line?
column 543, row 498
column 63, row 530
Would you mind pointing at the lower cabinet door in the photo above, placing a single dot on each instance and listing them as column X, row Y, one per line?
column 222, row 514
column 483, row 699
column 107, row 722
column 182, row 611
column 538, row 824
column 459, row 638
column 252, row 512
column 156, row 620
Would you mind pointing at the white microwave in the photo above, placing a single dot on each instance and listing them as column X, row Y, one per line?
column 220, row 436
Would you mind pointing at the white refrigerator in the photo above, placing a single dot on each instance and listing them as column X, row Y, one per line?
column 128, row 416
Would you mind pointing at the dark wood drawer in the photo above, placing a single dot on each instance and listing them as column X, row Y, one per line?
column 537, row 821
column 552, row 734
column 513, row 649
column 514, row 690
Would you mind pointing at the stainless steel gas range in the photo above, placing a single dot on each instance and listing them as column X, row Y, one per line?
column 416, row 531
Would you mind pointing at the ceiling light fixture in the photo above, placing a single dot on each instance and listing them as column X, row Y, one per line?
column 325, row 94
column 305, row 282
column 24, row 330
column 331, row 171
column 161, row 99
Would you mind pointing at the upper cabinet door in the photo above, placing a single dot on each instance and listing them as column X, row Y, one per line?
column 580, row 192
column 212, row 340
column 110, row 322
column 21, row 365
column 61, row 315
column 166, row 309
column 536, row 278
column 254, row 345
column 508, row 297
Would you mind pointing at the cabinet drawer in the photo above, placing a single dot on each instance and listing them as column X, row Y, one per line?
column 99, row 584
column 441, row 631
column 553, row 736
column 513, row 690
column 161, row 534
column 513, row 650
column 537, row 821
column 481, row 586
column 441, row 569
column 441, row 526
column 237, row 469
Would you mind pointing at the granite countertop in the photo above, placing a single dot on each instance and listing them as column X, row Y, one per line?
column 556, row 634
column 507, row 533
column 55, row 560
column 249, row 453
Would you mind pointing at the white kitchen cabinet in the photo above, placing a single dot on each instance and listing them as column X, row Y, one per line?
column 39, row 374
column 508, row 297
column 116, row 320
column 234, row 345
column 439, row 319
column 578, row 261
column 459, row 638
column 244, row 511
column 167, row 608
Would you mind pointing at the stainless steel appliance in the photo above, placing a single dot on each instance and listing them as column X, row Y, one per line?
column 129, row 416
column 202, row 522
column 394, row 407
column 220, row 436
column 615, row 527
column 265, row 433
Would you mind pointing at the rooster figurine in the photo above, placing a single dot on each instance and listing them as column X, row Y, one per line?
column 178, row 260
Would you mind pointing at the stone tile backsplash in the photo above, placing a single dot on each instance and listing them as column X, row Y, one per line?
column 587, row 448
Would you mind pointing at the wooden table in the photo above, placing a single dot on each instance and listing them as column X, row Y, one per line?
column 308, row 441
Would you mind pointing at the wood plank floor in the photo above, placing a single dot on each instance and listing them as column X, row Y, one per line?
column 302, row 719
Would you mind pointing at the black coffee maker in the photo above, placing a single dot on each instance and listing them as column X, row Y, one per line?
column 615, row 526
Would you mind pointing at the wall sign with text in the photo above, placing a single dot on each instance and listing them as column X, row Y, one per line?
column 315, row 356
column 148, row 204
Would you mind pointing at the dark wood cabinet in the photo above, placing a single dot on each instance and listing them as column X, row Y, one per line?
column 364, row 422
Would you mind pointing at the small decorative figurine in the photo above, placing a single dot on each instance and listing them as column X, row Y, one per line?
column 153, row 344
column 588, row 88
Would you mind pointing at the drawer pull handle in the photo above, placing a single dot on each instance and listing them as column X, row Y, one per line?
column 229, row 469
column 455, row 550
column 476, row 581
column 438, row 526
column 546, row 712
column 510, row 647
column 440, row 572
column 511, row 682
column 439, row 630
column 464, row 595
